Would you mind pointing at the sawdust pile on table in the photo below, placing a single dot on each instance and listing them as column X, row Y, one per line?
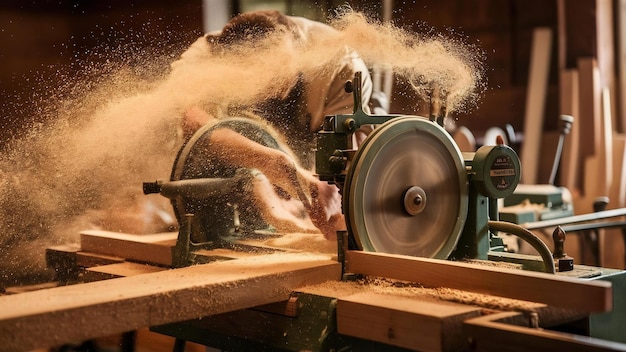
column 399, row 288
column 305, row 242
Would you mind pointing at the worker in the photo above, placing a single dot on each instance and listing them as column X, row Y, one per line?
column 295, row 115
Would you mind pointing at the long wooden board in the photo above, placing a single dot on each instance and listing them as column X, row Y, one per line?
column 565, row 292
column 395, row 321
column 74, row 313
column 152, row 248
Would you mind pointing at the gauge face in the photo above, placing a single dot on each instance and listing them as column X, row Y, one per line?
column 406, row 191
column 496, row 170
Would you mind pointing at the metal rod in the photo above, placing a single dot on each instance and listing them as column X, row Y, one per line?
column 594, row 225
column 574, row 219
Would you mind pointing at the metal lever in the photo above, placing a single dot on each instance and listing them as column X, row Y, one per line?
column 567, row 122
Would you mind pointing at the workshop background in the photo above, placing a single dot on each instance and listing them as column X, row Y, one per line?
column 543, row 59
column 40, row 37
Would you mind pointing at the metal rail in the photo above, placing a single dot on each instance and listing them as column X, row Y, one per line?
column 536, row 225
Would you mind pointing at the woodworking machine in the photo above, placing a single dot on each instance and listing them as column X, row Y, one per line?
column 422, row 225
column 421, row 266
column 407, row 190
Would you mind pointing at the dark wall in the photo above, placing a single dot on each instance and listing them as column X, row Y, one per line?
column 503, row 30
column 45, row 42
column 40, row 36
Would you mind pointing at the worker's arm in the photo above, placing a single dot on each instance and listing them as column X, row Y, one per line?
column 193, row 119
column 323, row 200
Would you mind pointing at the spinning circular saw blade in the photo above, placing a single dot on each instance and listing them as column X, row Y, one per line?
column 406, row 190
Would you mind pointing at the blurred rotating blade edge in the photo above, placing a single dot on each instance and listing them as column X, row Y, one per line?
column 406, row 190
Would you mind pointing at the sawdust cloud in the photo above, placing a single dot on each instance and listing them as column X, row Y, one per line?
column 438, row 67
column 451, row 67
column 104, row 134
column 84, row 167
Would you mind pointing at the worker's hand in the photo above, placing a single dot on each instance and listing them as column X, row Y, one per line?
column 286, row 215
column 325, row 210
column 321, row 199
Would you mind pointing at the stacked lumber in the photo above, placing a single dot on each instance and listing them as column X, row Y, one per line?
column 593, row 164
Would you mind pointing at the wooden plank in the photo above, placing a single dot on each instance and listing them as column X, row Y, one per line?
column 565, row 292
column 606, row 143
column 618, row 187
column 78, row 312
column 621, row 62
column 588, row 32
column 375, row 317
column 605, row 42
column 494, row 333
column 569, row 101
column 590, row 109
column 535, row 102
column 613, row 248
column 598, row 166
column 152, row 248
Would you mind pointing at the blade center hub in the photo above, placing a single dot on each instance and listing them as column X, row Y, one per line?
column 414, row 200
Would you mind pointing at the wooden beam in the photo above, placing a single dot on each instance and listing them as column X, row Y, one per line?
column 587, row 31
column 74, row 313
column 591, row 161
column 618, row 187
column 376, row 317
column 590, row 109
column 536, row 102
column 606, row 141
column 554, row 290
column 613, row 250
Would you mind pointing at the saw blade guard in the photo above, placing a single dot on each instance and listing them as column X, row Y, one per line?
column 406, row 190
column 224, row 205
